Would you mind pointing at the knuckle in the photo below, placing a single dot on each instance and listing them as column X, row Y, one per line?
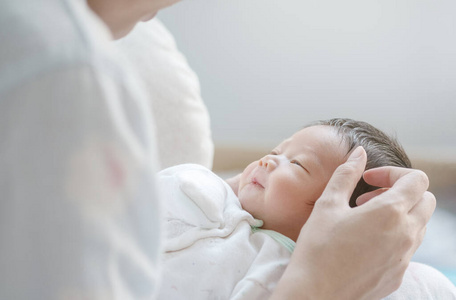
column 325, row 202
column 428, row 196
column 421, row 178
column 408, row 242
column 345, row 170
column 394, row 211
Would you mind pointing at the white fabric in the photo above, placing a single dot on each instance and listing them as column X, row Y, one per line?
column 424, row 282
column 210, row 250
column 78, row 209
column 181, row 117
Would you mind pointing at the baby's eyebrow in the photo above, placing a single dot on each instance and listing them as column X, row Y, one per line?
column 312, row 157
column 275, row 151
column 278, row 149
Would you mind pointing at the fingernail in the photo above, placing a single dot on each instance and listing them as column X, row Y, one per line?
column 356, row 154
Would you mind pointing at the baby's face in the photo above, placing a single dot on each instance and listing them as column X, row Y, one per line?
column 282, row 187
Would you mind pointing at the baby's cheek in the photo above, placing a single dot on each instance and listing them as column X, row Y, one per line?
column 247, row 205
column 243, row 199
column 320, row 188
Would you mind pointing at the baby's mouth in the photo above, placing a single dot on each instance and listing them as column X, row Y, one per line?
column 255, row 182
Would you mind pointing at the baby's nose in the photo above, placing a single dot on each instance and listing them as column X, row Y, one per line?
column 268, row 162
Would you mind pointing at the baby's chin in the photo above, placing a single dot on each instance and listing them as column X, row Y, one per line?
column 246, row 205
column 242, row 201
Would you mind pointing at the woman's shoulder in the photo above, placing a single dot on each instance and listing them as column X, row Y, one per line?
column 39, row 37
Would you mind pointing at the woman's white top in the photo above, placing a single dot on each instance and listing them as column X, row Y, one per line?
column 78, row 206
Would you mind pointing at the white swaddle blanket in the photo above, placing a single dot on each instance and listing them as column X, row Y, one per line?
column 211, row 251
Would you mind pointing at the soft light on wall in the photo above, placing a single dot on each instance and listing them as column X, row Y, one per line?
column 267, row 67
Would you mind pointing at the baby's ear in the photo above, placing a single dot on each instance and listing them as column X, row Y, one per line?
column 233, row 182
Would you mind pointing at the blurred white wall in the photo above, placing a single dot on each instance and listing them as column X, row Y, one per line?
column 268, row 67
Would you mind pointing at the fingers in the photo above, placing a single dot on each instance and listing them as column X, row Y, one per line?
column 418, row 241
column 344, row 179
column 407, row 186
column 389, row 176
column 416, row 244
column 367, row 196
column 421, row 213
column 418, row 218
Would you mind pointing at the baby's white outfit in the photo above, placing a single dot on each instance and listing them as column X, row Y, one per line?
column 211, row 251
column 215, row 250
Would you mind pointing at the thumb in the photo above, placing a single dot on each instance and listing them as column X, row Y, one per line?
column 344, row 180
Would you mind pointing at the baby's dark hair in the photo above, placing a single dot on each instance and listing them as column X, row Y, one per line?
column 381, row 149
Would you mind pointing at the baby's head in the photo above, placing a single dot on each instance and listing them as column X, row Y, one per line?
column 282, row 187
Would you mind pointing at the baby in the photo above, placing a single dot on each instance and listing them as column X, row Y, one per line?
column 281, row 188
column 234, row 241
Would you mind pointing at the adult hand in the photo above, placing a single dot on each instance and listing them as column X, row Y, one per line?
column 361, row 252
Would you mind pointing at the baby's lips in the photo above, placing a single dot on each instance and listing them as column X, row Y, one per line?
column 259, row 178
column 255, row 181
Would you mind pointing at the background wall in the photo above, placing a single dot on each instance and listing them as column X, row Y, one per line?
column 267, row 67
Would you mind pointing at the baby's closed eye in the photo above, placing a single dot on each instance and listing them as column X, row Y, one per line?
column 294, row 161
